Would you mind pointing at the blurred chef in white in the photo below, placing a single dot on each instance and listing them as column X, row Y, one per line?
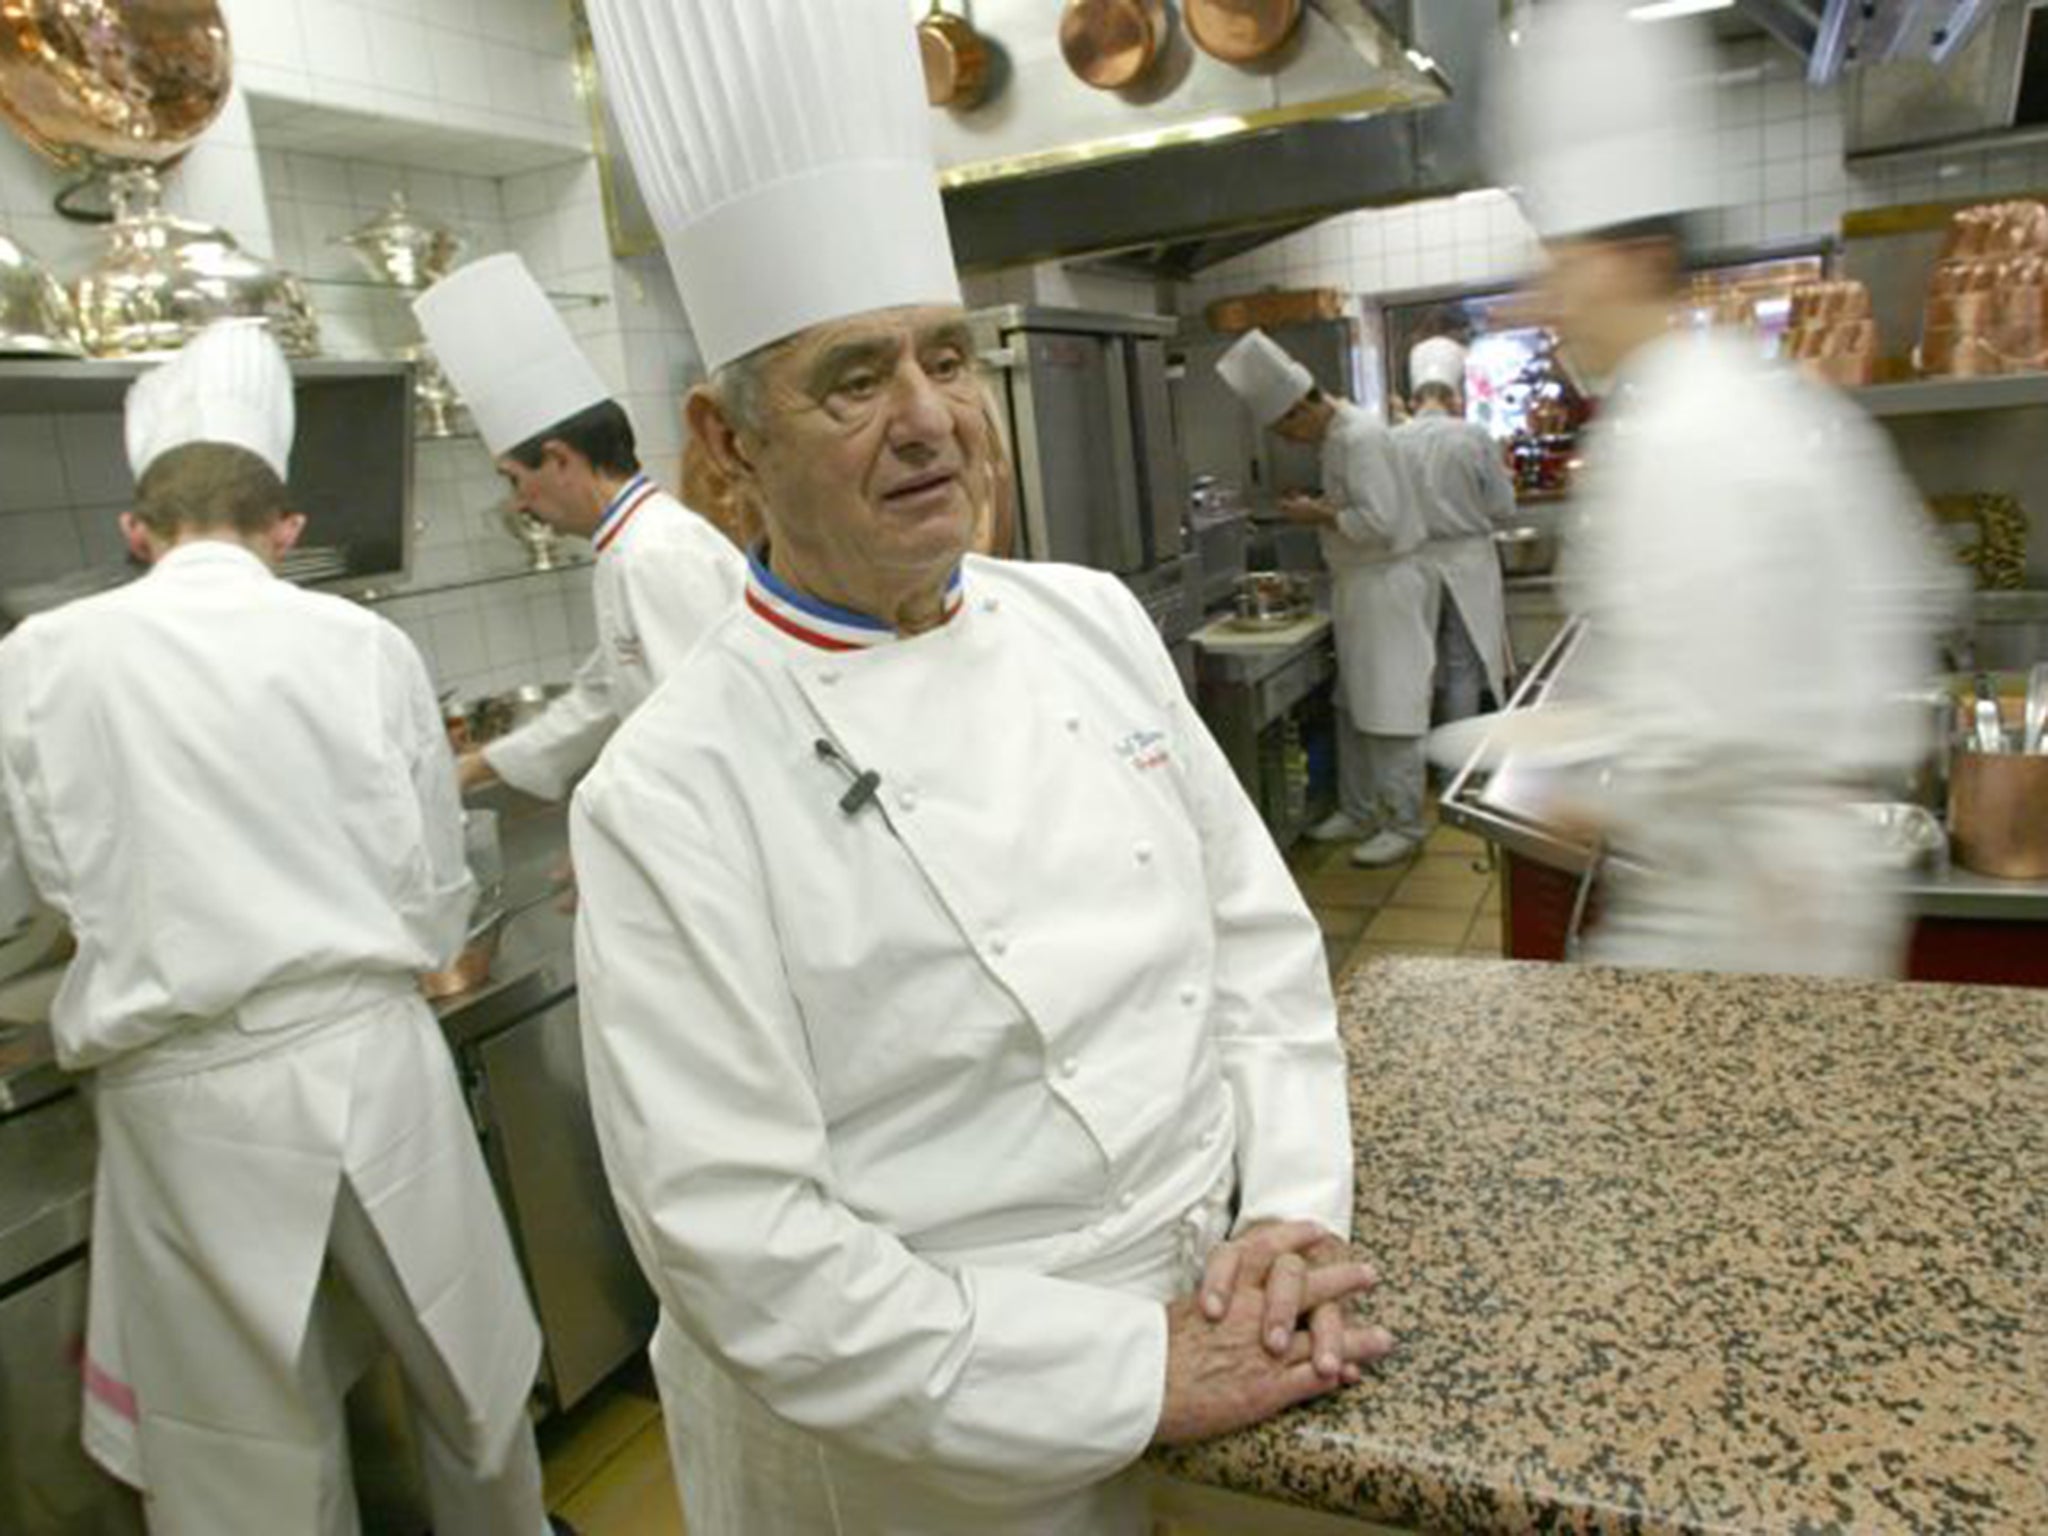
column 240, row 797
column 566, row 448
column 1753, row 563
column 1382, row 597
column 1455, row 466
column 947, row 1009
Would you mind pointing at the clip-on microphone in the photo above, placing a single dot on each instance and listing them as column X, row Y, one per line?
column 866, row 782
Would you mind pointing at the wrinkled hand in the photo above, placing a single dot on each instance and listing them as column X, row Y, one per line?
column 1220, row 1375
column 474, row 771
column 1276, row 1259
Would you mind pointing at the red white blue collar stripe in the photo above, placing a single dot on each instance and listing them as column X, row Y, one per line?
column 818, row 623
column 632, row 496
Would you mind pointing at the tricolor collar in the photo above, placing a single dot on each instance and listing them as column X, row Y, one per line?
column 816, row 622
column 620, row 510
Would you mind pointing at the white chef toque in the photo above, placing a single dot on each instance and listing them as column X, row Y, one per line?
column 1438, row 360
column 229, row 384
column 508, row 353
column 784, row 149
column 1602, row 122
column 1264, row 377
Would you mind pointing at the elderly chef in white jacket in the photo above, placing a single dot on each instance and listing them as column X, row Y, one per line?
column 566, row 448
column 239, row 795
column 945, row 1004
column 1383, row 598
column 1456, row 468
column 1753, row 564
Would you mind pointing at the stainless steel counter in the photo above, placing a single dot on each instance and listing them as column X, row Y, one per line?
column 1505, row 807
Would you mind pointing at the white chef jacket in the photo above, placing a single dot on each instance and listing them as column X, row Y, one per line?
column 663, row 576
column 240, row 795
column 1383, row 599
column 1761, row 588
column 875, row 1077
column 136, row 746
column 1455, row 468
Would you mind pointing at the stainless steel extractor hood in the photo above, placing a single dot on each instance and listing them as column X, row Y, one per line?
column 1836, row 36
column 1182, row 202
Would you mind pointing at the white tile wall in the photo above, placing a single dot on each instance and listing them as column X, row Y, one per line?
column 500, row 67
column 435, row 85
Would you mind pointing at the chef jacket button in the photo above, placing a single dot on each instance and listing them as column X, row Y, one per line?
column 1143, row 853
column 991, row 604
column 906, row 799
column 1126, row 1200
column 1073, row 724
column 1070, row 1067
column 1205, row 1141
column 828, row 678
column 998, row 945
column 1189, row 996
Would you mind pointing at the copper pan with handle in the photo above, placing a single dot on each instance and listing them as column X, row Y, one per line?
column 955, row 59
column 1241, row 31
column 1113, row 44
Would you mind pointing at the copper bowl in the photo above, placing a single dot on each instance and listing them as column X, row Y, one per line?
column 134, row 81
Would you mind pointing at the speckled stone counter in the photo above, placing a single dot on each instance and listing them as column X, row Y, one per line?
column 1671, row 1253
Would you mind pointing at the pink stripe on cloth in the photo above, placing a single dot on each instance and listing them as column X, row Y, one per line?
column 117, row 1395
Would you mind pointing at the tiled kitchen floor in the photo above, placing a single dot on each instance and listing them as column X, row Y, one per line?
column 607, row 1463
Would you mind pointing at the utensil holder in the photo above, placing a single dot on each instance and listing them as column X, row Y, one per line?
column 1998, row 813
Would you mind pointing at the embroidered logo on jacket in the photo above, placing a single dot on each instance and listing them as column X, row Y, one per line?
column 1145, row 750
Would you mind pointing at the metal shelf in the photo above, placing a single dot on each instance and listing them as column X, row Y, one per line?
column 408, row 290
column 376, row 595
column 37, row 387
column 1937, row 397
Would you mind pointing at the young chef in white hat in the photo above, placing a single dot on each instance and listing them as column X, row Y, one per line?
column 1369, row 520
column 240, row 796
column 945, row 1003
column 1456, row 468
column 1753, row 563
column 663, row 574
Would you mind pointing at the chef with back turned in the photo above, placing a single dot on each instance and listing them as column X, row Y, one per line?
column 962, row 1054
column 1455, row 468
column 240, row 797
column 567, row 450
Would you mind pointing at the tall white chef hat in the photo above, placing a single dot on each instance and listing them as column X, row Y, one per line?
column 784, row 147
column 1603, row 122
column 1438, row 360
column 229, row 384
column 1264, row 377
column 508, row 353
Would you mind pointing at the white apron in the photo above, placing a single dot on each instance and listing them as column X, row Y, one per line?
column 221, row 1152
column 743, row 1471
column 1383, row 617
column 1469, row 571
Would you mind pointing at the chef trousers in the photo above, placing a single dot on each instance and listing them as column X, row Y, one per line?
column 1379, row 778
column 361, row 1298
column 1461, row 686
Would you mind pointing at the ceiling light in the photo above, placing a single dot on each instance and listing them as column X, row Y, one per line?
column 1664, row 10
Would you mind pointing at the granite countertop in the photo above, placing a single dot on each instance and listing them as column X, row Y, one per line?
column 1670, row 1253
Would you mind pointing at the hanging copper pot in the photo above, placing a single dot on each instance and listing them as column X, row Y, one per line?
column 1111, row 44
column 955, row 59
column 1241, row 31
